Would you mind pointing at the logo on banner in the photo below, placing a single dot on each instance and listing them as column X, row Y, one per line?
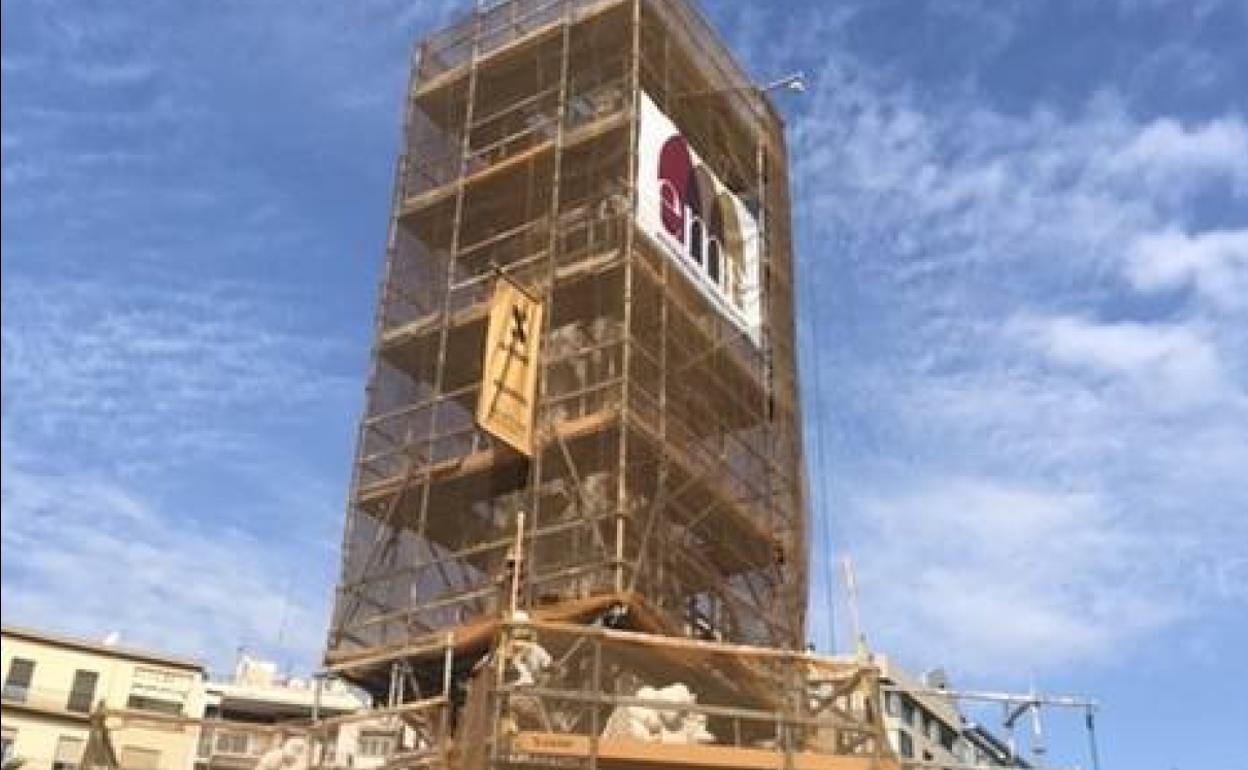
column 700, row 223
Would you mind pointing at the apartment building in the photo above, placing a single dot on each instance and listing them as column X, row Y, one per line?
column 52, row 683
column 928, row 729
column 259, row 711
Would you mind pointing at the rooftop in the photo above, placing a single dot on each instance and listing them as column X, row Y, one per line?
column 100, row 648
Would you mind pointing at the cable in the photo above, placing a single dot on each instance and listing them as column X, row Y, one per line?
column 809, row 309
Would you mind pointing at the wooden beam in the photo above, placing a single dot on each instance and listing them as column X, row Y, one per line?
column 652, row 755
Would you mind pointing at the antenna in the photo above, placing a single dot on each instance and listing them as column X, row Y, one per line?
column 1038, row 748
column 851, row 598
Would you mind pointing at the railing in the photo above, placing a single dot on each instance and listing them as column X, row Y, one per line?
column 432, row 159
column 493, row 27
column 415, row 730
column 589, row 687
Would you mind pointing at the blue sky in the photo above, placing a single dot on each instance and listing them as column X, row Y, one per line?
column 1023, row 233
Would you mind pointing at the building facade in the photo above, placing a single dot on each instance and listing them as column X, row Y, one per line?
column 928, row 728
column 256, row 711
column 156, row 711
column 53, row 683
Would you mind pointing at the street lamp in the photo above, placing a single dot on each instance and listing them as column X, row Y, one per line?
column 795, row 82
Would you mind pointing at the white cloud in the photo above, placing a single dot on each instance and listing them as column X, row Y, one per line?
column 152, row 473
column 1215, row 263
column 1174, row 363
column 154, row 373
column 1027, row 437
column 995, row 576
column 86, row 555
column 1164, row 149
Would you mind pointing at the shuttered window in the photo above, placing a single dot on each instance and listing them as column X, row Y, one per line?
column 17, row 680
column 82, row 694
column 68, row 753
column 9, row 736
column 135, row 758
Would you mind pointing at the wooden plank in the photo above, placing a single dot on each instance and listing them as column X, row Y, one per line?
column 482, row 461
column 634, row 753
column 469, row 635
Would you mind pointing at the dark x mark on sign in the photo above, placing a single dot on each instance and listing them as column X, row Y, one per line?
column 519, row 322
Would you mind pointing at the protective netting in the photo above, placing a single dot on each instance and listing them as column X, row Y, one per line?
column 668, row 462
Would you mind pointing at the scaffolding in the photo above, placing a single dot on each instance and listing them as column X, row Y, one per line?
column 666, row 481
column 581, row 703
column 628, row 590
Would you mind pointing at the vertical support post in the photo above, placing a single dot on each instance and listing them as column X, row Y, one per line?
column 448, row 665
column 664, row 309
column 448, row 668
column 795, row 694
column 595, row 702
column 497, row 728
column 517, row 567
column 552, row 247
column 465, row 150
column 622, row 498
column 390, row 692
column 317, row 741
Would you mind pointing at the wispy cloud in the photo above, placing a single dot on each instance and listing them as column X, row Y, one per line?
column 1214, row 262
column 153, row 474
column 1034, row 365
column 186, row 295
column 156, row 373
column 1165, row 149
column 994, row 576
column 1172, row 365
column 85, row 554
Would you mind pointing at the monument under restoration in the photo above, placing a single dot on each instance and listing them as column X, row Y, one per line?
column 576, row 532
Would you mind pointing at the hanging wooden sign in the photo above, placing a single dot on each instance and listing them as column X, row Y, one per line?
column 508, row 397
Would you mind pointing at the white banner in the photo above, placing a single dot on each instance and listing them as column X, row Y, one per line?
column 701, row 225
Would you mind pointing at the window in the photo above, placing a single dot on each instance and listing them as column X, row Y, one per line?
column 905, row 745
column 159, row 690
column 907, row 710
column 68, row 753
column 233, row 743
column 17, row 681
column 144, row 703
column 82, row 693
column 6, row 742
column 892, row 704
column 203, row 749
column 376, row 745
column 135, row 758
